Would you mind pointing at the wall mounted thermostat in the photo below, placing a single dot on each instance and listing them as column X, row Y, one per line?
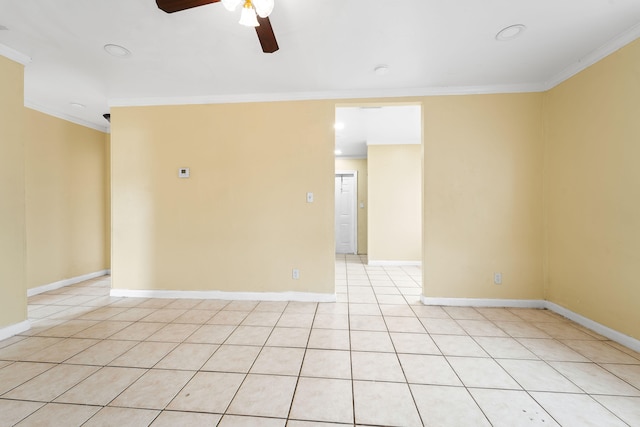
column 183, row 173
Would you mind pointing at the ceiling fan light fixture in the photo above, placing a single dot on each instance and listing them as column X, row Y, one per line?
column 263, row 7
column 231, row 5
column 248, row 17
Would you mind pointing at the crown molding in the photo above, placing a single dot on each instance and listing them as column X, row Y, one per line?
column 591, row 58
column 603, row 51
column 606, row 49
column 14, row 55
column 55, row 113
column 588, row 60
column 330, row 95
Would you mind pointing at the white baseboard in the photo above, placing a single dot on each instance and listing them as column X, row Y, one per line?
column 483, row 302
column 222, row 295
column 383, row 263
column 15, row 329
column 599, row 328
column 66, row 282
column 603, row 330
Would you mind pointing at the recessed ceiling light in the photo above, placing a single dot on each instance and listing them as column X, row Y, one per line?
column 511, row 32
column 117, row 50
column 337, row 152
column 381, row 70
column 338, row 126
column 77, row 105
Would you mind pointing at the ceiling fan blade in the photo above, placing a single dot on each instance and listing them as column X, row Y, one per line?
column 171, row 6
column 264, row 30
column 266, row 36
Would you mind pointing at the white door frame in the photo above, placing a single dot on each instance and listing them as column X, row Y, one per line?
column 353, row 173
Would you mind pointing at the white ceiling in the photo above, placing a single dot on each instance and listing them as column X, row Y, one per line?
column 328, row 49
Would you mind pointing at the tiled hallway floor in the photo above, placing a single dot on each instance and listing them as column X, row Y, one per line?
column 377, row 357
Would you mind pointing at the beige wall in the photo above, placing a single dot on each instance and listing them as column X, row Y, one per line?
column 241, row 222
column 483, row 196
column 483, row 165
column 65, row 199
column 359, row 165
column 593, row 192
column 13, row 298
column 395, row 203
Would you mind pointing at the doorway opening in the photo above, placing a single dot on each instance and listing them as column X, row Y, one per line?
column 382, row 142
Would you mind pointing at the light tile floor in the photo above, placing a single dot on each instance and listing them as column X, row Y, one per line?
column 377, row 357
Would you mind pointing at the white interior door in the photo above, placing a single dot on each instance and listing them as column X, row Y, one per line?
column 345, row 221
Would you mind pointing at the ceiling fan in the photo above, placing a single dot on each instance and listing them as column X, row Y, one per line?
column 262, row 24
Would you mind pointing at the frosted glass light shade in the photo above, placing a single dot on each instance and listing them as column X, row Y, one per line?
column 263, row 7
column 248, row 17
column 231, row 5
